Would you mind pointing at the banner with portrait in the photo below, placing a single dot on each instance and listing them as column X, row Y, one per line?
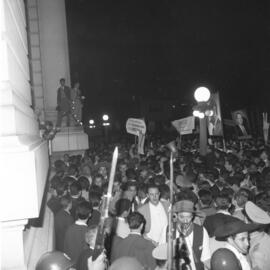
column 214, row 121
column 242, row 126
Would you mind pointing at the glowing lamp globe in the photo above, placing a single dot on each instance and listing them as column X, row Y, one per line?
column 196, row 113
column 202, row 94
column 105, row 117
column 91, row 122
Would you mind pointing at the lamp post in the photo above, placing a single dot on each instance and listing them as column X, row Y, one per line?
column 106, row 125
column 202, row 96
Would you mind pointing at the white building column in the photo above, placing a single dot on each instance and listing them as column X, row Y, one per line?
column 23, row 155
column 12, row 232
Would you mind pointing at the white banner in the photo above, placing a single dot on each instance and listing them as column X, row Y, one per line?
column 135, row 126
column 184, row 125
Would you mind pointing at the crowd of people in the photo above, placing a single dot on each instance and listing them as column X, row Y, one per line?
column 221, row 202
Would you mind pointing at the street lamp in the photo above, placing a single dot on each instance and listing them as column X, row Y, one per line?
column 105, row 117
column 202, row 109
column 202, row 94
column 106, row 125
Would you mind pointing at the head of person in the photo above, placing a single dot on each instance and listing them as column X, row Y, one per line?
column 136, row 221
column 66, row 158
column 131, row 174
column 242, row 196
column 98, row 180
column 142, row 190
column 223, row 200
column 103, row 171
column 55, row 260
column 84, row 210
column 62, row 82
column 123, row 207
column 185, row 212
column 123, row 168
column 153, row 194
column 75, row 189
column 95, row 198
column 205, row 197
column 164, row 192
column 240, row 241
column 84, row 182
column 116, row 185
column 66, row 202
column 131, row 187
column 86, row 170
column 239, row 119
column 76, row 85
column 124, row 263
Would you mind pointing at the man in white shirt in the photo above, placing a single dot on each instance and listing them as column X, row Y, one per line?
column 156, row 216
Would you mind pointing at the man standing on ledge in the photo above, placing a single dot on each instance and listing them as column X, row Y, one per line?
column 63, row 103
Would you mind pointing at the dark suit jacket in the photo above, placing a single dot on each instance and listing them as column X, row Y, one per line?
column 75, row 242
column 54, row 204
column 82, row 263
column 75, row 203
column 62, row 221
column 94, row 219
column 136, row 246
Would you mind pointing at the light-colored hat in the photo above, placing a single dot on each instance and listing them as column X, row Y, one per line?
column 184, row 206
column 256, row 214
column 160, row 252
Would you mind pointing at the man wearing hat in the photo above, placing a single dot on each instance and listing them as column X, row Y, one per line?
column 259, row 251
column 236, row 234
column 190, row 237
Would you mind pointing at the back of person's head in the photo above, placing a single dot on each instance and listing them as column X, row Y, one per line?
column 66, row 201
column 121, row 206
column 73, row 170
column 55, row 181
column 164, row 191
column 84, row 182
column 135, row 220
column 84, row 210
column 97, row 189
column 61, row 188
column 205, row 196
column 59, row 165
column 186, row 194
column 95, row 198
column 131, row 174
column 75, row 188
column 68, row 180
column 159, row 180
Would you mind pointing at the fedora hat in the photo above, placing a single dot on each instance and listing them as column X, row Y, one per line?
column 256, row 214
column 233, row 227
column 187, row 206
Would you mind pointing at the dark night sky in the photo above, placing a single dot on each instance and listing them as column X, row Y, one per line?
column 123, row 49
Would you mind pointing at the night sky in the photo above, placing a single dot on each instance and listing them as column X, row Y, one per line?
column 124, row 51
